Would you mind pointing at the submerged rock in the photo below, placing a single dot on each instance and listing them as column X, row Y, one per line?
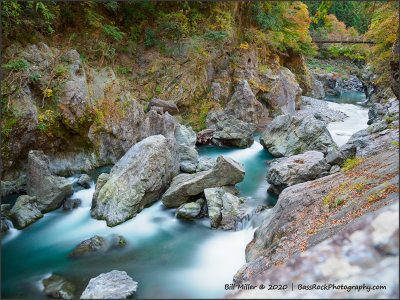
column 84, row 180
column 226, row 172
column 58, row 287
column 136, row 181
column 296, row 169
column 287, row 135
column 97, row 245
column 25, row 211
column 111, row 285
column 50, row 190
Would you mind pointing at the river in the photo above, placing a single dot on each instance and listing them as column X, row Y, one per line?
column 170, row 258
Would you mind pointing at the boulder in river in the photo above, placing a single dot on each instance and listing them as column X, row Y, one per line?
column 97, row 245
column 287, row 135
column 205, row 163
column 71, row 203
column 25, row 211
column 58, row 287
column 136, row 181
column 296, row 169
column 50, row 190
column 234, row 132
column 223, row 207
column 190, row 210
column 101, row 181
column 84, row 180
column 186, row 141
column 226, row 172
column 111, row 285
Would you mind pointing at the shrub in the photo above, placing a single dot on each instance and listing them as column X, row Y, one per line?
column 16, row 65
column 113, row 32
column 149, row 38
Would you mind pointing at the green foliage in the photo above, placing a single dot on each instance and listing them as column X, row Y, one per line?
column 216, row 35
column 113, row 32
column 354, row 52
column 350, row 163
column 16, row 65
column 149, row 38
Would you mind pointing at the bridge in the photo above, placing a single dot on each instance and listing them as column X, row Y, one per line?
column 345, row 40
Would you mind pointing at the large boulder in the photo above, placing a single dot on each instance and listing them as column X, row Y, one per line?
column 167, row 106
column 296, row 169
column 101, row 181
column 205, row 163
column 25, row 211
column 111, row 285
column 156, row 123
column 84, row 181
column 56, row 286
column 185, row 135
column 184, row 186
column 287, row 135
column 223, row 208
column 244, row 105
column 137, row 180
column 50, row 190
column 281, row 91
column 234, row 132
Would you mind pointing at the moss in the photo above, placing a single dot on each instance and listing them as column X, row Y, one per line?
column 350, row 163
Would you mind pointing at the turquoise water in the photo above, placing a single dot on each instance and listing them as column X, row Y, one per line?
column 170, row 258
column 348, row 97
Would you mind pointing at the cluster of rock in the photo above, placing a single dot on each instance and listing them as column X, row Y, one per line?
column 97, row 245
column 216, row 185
column 111, row 285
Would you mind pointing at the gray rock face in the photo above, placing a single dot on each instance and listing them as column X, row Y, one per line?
column 15, row 186
column 184, row 186
column 50, row 190
column 25, row 211
column 101, row 181
column 186, row 140
column 287, row 135
column 167, row 106
column 335, row 157
column 136, row 181
column 367, row 144
column 205, row 163
column 353, row 84
column 188, row 158
column 223, row 208
column 117, row 133
column 234, row 132
column 283, row 91
column 366, row 251
column 84, row 181
column 156, row 123
column 376, row 112
column 185, row 135
column 316, row 88
column 111, row 285
column 58, row 287
column 190, row 210
column 244, row 105
column 71, row 203
column 296, row 169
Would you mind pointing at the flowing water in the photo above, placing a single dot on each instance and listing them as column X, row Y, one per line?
column 170, row 258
